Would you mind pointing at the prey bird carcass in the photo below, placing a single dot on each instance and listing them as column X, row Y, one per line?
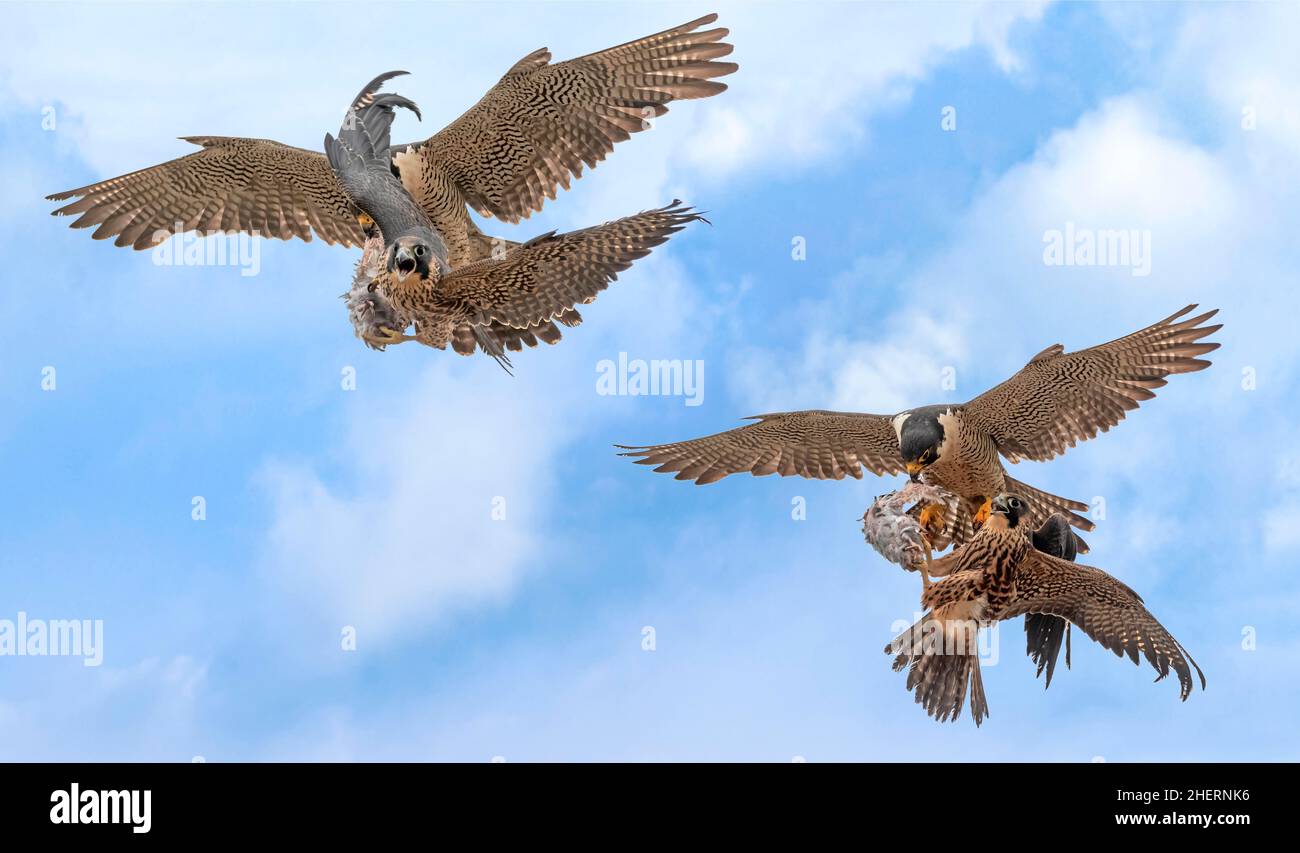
column 906, row 525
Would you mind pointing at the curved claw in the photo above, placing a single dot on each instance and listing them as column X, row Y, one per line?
column 933, row 519
column 387, row 337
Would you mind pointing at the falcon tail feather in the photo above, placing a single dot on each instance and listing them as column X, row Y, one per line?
column 938, row 677
column 492, row 347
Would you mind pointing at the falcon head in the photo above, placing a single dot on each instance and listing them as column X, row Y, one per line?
column 411, row 255
column 920, row 439
column 1011, row 507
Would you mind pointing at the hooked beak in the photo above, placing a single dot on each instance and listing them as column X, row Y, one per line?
column 999, row 505
column 404, row 260
column 914, row 470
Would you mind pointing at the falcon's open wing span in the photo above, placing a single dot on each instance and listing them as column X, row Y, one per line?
column 550, row 274
column 1105, row 609
column 530, row 133
column 256, row 186
column 818, row 444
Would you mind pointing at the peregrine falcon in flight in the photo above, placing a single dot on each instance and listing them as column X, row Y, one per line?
column 897, row 534
column 999, row 575
column 532, row 133
column 1055, row 401
column 523, row 288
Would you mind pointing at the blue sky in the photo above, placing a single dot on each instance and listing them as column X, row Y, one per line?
column 522, row 637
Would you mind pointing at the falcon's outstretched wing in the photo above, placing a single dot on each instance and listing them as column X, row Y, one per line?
column 257, row 186
column 536, row 128
column 545, row 277
column 1060, row 398
column 1105, row 609
column 817, row 444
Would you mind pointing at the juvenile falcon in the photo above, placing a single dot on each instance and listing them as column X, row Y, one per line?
column 532, row 132
column 999, row 575
column 1055, row 401
column 896, row 533
column 525, row 287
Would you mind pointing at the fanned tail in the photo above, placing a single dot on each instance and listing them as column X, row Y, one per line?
column 942, row 658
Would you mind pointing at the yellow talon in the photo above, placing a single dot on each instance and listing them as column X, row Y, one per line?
column 388, row 336
column 984, row 511
column 932, row 519
column 365, row 220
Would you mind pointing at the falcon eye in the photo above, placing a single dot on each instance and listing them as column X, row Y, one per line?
column 419, row 251
column 371, row 287
column 1013, row 503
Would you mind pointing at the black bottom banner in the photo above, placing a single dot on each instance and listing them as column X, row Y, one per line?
column 176, row 801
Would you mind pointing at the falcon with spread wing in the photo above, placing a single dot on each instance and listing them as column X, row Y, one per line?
column 532, row 133
column 999, row 575
column 525, row 287
column 529, row 286
column 896, row 533
column 1055, row 401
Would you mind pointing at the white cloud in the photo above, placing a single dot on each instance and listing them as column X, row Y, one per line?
column 1281, row 520
column 784, row 660
column 812, row 76
column 1119, row 168
column 904, row 368
column 991, row 303
column 1244, row 56
column 445, row 507
column 401, row 535
column 1281, row 526
column 149, row 709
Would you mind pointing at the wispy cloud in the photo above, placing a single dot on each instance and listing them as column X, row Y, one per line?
column 441, row 509
column 804, row 100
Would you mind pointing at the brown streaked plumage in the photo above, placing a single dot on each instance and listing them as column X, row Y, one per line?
column 1044, row 633
column 533, row 284
column 817, row 444
column 1059, row 399
column 532, row 132
column 1056, row 400
column 257, row 186
column 535, row 129
column 999, row 575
